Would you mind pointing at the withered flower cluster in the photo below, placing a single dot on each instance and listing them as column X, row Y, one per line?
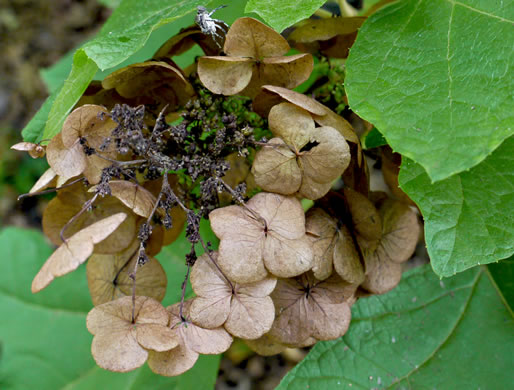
column 150, row 150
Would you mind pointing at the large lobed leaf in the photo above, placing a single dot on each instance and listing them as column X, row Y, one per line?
column 469, row 217
column 43, row 337
column 435, row 77
column 425, row 334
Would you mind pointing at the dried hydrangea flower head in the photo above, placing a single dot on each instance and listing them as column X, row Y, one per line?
column 255, row 56
column 301, row 158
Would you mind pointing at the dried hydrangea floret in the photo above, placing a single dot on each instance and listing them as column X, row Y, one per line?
column 192, row 341
column 109, row 276
column 125, row 330
column 302, row 158
column 308, row 308
column 268, row 234
column 400, row 232
column 245, row 310
column 333, row 247
column 255, row 56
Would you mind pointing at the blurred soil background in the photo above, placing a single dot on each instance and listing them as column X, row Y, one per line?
column 35, row 34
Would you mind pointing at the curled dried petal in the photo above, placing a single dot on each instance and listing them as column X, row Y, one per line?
column 75, row 250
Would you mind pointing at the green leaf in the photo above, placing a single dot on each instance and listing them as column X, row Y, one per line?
column 425, row 334
column 130, row 25
column 34, row 130
column 110, row 3
column 469, row 218
column 82, row 72
column 284, row 13
column 503, row 275
column 43, row 337
column 435, row 77
column 373, row 139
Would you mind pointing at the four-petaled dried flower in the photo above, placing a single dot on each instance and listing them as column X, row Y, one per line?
column 266, row 235
column 125, row 331
column 245, row 310
column 255, row 56
column 302, row 158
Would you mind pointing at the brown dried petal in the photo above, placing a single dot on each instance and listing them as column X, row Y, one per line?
column 212, row 312
column 34, row 150
column 243, row 233
column 400, row 229
column 347, row 262
column 315, row 313
column 272, row 95
column 251, row 310
column 291, row 325
column 390, row 169
column 204, row 341
column 184, row 40
column 225, row 75
column 47, row 179
column 70, row 201
column 265, row 346
column 173, row 362
column 322, row 115
column 323, row 29
column 326, row 161
column 135, row 197
column 248, row 37
column 66, row 162
column 322, row 232
column 291, row 123
column 108, row 276
column 231, row 220
column 241, row 259
column 136, row 79
column 332, row 320
column 89, row 121
column 311, row 189
column 259, row 289
column 211, row 307
column 75, row 251
column 275, row 168
column 118, row 350
column 284, row 215
column 250, row 317
column 365, row 218
column 287, row 258
column 331, row 119
column 287, row 72
column 382, row 275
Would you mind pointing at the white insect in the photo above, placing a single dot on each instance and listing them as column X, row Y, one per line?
column 209, row 25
